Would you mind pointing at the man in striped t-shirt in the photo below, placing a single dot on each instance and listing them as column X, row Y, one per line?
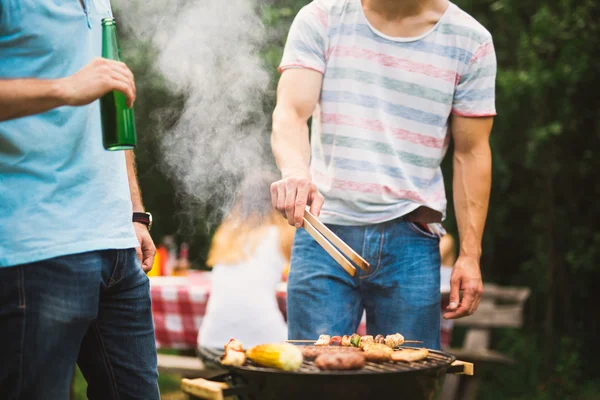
column 388, row 84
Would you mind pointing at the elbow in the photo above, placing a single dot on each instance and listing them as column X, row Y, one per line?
column 479, row 149
column 281, row 117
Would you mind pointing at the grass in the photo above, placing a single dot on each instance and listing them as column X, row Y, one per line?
column 168, row 384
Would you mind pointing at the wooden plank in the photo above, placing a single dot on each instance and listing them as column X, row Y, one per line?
column 451, row 387
column 494, row 317
column 514, row 294
column 481, row 356
column 181, row 365
column 203, row 389
column 467, row 367
column 474, row 340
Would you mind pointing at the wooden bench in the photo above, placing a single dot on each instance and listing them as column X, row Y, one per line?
column 186, row 366
column 500, row 307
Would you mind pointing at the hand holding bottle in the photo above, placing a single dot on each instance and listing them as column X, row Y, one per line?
column 97, row 78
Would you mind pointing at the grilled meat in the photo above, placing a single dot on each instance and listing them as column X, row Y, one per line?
column 345, row 340
column 340, row 361
column 410, row 355
column 323, row 340
column 394, row 340
column 380, row 339
column 365, row 340
column 335, row 341
column 312, row 352
column 234, row 354
column 377, row 352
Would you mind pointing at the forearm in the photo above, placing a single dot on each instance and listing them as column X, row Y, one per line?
column 471, row 187
column 290, row 143
column 134, row 188
column 23, row 97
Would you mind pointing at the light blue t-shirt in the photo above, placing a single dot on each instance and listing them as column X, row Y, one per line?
column 60, row 192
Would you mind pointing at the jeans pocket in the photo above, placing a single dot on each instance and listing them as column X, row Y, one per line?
column 420, row 230
column 118, row 271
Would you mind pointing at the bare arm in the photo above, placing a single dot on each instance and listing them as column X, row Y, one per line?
column 147, row 249
column 23, row 97
column 134, row 187
column 471, row 187
column 297, row 96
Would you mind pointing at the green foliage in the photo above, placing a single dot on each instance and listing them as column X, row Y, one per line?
column 541, row 230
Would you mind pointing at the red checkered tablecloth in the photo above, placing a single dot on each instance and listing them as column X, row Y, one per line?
column 179, row 304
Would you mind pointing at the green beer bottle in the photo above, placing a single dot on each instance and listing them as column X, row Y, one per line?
column 118, row 120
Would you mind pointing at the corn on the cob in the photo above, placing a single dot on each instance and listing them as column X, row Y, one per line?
column 285, row 356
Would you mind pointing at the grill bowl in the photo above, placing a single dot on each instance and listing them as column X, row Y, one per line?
column 420, row 380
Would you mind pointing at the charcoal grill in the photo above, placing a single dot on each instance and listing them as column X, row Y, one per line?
column 421, row 380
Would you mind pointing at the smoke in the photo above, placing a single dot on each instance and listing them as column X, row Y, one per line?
column 208, row 50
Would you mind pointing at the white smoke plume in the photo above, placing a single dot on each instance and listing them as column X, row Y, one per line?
column 208, row 50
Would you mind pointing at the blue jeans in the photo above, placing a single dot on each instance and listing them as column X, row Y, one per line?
column 401, row 293
column 91, row 308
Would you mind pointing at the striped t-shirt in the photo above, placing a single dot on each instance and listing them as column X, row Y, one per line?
column 380, row 131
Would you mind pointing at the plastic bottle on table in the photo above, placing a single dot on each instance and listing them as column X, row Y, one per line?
column 183, row 262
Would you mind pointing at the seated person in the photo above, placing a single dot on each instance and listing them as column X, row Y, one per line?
column 248, row 254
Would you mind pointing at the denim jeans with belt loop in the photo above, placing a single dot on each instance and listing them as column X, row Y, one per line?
column 400, row 294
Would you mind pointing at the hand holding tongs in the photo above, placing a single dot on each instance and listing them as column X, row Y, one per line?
column 320, row 232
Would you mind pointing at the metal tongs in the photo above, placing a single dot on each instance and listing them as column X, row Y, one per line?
column 326, row 237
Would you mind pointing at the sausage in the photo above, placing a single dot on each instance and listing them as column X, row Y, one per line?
column 410, row 355
column 377, row 352
column 312, row 352
column 343, row 361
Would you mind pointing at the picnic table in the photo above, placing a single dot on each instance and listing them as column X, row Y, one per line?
column 179, row 304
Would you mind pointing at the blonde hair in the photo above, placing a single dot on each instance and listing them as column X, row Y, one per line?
column 245, row 226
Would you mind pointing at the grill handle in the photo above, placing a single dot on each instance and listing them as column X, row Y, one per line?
column 460, row 368
column 210, row 390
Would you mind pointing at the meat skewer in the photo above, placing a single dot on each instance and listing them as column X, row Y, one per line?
column 335, row 341
column 323, row 340
column 392, row 341
column 345, row 340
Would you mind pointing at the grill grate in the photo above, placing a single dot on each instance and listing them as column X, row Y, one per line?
column 434, row 360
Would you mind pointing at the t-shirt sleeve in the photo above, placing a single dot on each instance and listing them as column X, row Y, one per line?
column 306, row 43
column 475, row 93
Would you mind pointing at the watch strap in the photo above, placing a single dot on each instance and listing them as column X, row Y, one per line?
column 142, row 218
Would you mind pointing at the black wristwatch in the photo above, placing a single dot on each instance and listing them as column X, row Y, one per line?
column 143, row 218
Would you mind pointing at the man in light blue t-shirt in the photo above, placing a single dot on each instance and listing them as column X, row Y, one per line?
column 73, row 286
